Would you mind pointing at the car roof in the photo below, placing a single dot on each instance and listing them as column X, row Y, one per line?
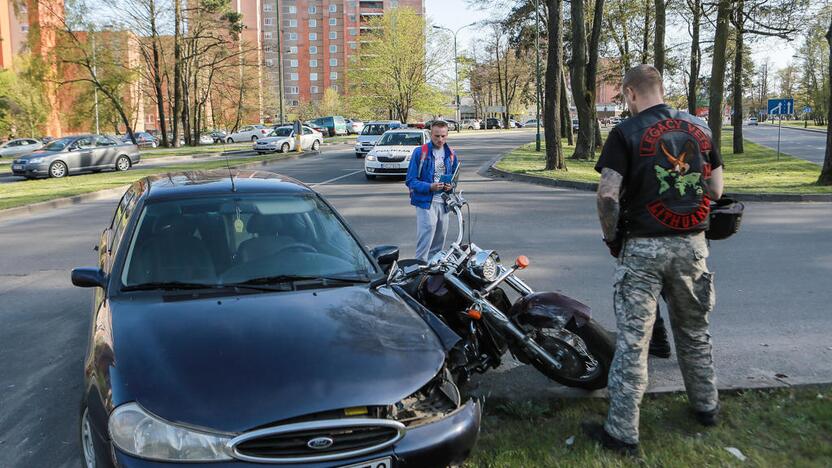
column 189, row 184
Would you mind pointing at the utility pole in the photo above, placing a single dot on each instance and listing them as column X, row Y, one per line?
column 279, row 61
column 456, row 71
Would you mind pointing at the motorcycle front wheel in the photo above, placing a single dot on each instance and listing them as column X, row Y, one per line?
column 578, row 371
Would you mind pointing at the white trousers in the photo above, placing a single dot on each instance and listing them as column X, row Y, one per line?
column 431, row 229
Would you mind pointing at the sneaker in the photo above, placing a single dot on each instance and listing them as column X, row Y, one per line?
column 595, row 431
column 659, row 344
column 708, row 418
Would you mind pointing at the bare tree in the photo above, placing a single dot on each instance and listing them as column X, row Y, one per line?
column 658, row 39
column 584, row 71
column 695, row 24
column 552, row 84
column 826, row 172
column 717, row 88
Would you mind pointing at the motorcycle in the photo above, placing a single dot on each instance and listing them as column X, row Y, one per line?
column 458, row 292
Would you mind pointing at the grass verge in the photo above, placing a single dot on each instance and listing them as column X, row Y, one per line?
column 797, row 123
column 32, row 191
column 755, row 171
column 791, row 427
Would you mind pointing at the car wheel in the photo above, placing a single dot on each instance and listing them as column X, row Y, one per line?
column 57, row 169
column 359, row 155
column 230, row 140
column 153, row 145
column 284, row 148
column 123, row 163
column 254, row 138
column 369, row 176
column 88, row 453
column 316, row 145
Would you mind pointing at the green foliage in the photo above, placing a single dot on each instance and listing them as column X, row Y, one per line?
column 814, row 58
column 23, row 106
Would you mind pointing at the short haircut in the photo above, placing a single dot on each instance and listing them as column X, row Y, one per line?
column 438, row 124
column 643, row 79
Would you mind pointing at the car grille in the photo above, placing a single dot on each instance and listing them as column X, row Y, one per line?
column 387, row 170
column 391, row 158
column 291, row 443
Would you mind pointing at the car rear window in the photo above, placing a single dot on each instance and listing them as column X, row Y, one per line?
column 374, row 129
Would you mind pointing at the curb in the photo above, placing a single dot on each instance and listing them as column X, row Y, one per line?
column 40, row 207
column 813, row 130
column 491, row 171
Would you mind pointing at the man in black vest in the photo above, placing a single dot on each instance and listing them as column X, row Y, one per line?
column 659, row 171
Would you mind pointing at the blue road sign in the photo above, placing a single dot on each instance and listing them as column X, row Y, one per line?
column 780, row 106
column 807, row 109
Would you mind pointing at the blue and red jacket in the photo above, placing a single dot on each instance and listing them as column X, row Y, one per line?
column 420, row 173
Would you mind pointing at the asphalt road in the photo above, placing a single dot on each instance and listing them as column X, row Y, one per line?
column 772, row 324
column 795, row 142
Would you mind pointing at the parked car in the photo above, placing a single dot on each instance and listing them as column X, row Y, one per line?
column 206, row 139
column 418, row 124
column 471, row 124
column 451, row 125
column 391, row 155
column 19, row 147
column 143, row 139
column 370, row 134
column 752, row 121
column 531, row 123
column 317, row 127
column 283, row 139
column 247, row 133
column 219, row 136
column 492, row 123
column 575, row 125
column 74, row 154
column 334, row 125
column 354, row 127
column 234, row 322
column 615, row 120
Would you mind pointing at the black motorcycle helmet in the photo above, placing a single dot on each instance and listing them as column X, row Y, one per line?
column 726, row 215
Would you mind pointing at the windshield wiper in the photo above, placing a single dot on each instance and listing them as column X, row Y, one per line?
column 325, row 280
column 167, row 285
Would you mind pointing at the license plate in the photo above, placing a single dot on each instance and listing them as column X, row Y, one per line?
column 385, row 462
column 17, row 167
column 389, row 166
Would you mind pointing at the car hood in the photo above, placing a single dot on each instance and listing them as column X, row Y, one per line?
column 235, row 363
column 272, row 139
column 392, row 150
column 367, row 138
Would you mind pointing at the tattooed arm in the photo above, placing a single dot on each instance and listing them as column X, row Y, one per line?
column 715, row 184
column 609, row 191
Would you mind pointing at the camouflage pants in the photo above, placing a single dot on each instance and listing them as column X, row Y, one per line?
column 673, row 266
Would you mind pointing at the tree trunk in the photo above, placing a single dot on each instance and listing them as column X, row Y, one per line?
column 826, row 173
column 584, row 147
column 157, row 72
column 554, row 70
column 658, row 39
column 592, row 70
column 718, row 71
column 736, row 113
column 645, row 44
column 695, row 55
column 177, row 70
column 565, row 121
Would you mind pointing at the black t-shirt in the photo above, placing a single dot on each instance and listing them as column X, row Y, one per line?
column 665, row 158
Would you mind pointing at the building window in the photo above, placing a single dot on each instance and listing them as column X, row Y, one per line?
column 268, row 21
column 353, row 32
column 333, row 62
column 314, row 89
column 292, row 90
column 293, row 63
column 268, row 7
column 267, row 35
column 313, row 23
column 353, row 45
column 269, row 62
column 313, row 77
column 293, row 36
column 333, row 21
column 333, row 48
column 312, row 9
column 352, row 18
column 313, row 63
column 293, row 76
column 334, row 87
column 24, row 28
column 293, row 9
column 313, row 50
column 333, row 8
column 333, row 75
column 313, row 36
column 293, row 103
column 293, row 50
column 293, row 23
column 333, row 35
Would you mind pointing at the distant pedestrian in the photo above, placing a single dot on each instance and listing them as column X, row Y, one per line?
column 424, row 179
column 659, row 171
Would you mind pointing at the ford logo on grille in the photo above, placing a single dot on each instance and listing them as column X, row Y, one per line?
column 319, row 443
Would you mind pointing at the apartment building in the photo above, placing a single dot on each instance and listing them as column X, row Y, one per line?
column 14, row 25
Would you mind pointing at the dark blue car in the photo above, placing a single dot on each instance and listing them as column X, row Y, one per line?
column 234, row 324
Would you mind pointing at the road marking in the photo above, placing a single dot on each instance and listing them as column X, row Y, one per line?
column 336, row 178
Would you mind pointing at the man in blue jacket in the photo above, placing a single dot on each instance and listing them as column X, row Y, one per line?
column 427, row 165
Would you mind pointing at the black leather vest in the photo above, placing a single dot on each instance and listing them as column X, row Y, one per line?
column 665, row 188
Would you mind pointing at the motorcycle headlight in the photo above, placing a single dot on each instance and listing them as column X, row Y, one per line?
column 484, row 265
column 139, row 433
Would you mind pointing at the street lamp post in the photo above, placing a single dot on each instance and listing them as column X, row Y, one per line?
column 456, row 70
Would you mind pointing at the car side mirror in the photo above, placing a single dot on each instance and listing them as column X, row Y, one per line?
column 88, row 277
column 385, row 255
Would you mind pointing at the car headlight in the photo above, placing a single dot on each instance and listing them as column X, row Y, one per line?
column 485, row 265
column 139, row 433
column 370, row 157
column 36, row 160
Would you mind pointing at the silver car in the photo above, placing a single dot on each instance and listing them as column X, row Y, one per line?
column 19, row 147
column 74, row 154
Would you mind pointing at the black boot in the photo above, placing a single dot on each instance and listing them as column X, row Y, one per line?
column 595, row 431
column 659, row 345
column 708, row 418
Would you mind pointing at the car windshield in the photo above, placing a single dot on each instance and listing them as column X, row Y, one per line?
column 400, row 139
column 374, row 129
column 281, row 132
column 58, row 145
column 232, row 240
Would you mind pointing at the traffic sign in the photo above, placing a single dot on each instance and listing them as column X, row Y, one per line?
column 807, row 109
column 780, row 106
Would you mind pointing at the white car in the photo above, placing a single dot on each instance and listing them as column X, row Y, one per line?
column 283, row 139
column 471, row 124
column 248, row 133
column 19, row 147
column 391, row 155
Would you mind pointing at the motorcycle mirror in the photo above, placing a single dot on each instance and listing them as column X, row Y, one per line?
column 522, row 262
